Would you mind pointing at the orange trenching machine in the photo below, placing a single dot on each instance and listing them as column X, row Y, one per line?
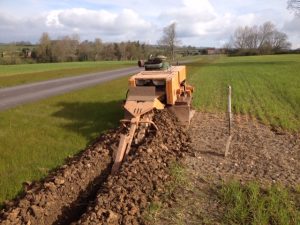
column 159, row 86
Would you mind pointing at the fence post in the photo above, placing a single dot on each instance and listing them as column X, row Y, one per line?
column 229, row 121
column 229, row 110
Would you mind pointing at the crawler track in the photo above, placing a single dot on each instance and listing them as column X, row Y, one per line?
column 83, row 192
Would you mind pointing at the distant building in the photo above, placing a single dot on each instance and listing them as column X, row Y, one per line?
column 211, row 51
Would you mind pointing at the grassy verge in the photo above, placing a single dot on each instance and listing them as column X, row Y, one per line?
column 265, row 87
column 156, row 208
column 11, row 75
column 36, row 138
column 230, row 203
column 250, row 204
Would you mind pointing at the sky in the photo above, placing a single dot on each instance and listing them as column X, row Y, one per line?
column 208, row 23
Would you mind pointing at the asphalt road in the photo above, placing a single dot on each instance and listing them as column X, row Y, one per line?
column 13, row 96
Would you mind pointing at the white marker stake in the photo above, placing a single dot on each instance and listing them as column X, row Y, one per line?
column 229, row 109
column 229, row 122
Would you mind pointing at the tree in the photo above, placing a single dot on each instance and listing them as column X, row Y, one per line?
column 265, row 33
column 108, row 51
column 65, row 49
column 98, row 46
column 169, row 39
column 279, row 41
column 294, row 5
column 44, row 49
column 263, row 39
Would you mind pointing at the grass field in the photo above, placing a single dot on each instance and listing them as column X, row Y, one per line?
column 265, row 87
column 37, row 137
column 11, row 75
column 249, row 204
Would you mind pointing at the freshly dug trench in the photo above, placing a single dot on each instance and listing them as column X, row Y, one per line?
column 142, row 178
column 62, row 196
column 65, row 196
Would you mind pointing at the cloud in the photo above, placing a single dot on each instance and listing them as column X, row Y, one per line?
column 292, row 28
column 127, row 21
column 199, row 22
column 290, row 25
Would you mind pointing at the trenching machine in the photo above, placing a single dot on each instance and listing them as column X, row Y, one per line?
column 159, row 86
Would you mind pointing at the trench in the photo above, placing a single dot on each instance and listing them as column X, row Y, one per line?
column 77, row 208
column 89, row 195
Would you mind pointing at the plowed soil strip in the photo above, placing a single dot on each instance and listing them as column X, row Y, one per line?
column 62, row 196
column 143, row 177
column 83, row 192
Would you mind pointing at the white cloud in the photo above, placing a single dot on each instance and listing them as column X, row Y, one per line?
column 199, row 22
column 52, row 19
column 127, row 21
column 126, row 24
column 292, row 27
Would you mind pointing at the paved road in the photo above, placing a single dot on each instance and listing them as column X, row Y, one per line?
column 13, row 96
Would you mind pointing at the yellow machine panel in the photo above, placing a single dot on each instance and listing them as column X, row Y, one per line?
column 181, row 70
column 173, row 78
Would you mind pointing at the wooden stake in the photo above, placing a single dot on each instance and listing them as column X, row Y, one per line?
column 229, row 122
column 229, row 110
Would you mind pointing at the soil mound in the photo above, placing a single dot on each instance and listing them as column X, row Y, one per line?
column 142, row 177
column 83, row 192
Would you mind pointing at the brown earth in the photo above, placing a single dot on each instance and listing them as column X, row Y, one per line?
column 142, row 179
column 83, row 192
column 64, row 193
column 76, row 193
column 257, row 153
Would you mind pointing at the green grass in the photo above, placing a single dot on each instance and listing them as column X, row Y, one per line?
column 179, row 178
column 11, row 75
column 250, row 204
column 265, row 87
column 36, row 138
column 152, row 211
column 178, row 174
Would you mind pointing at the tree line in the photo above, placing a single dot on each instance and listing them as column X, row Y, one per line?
column 70, row 49
column 263, row 39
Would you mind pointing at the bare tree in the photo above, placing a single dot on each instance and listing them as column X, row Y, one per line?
column 265, row 33
column 245, row 37
column 239, row 38
column 263, row 39
column 169, row 39
column 279, row 41
column 294, row 5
